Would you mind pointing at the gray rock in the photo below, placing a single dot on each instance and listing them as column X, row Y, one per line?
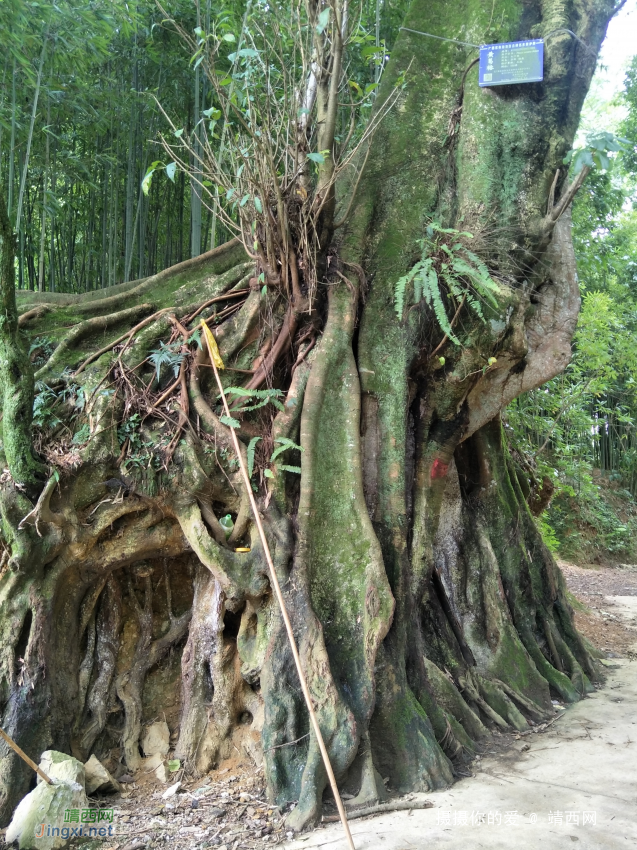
column 58, row 765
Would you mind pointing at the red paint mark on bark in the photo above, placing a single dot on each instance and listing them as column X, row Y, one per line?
column 439, row 469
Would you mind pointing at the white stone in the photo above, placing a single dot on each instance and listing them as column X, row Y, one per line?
column 98, row 778
column 161, row 772
column 152, row 762
column 44, row 807
column 170, row 792
column 156, row 739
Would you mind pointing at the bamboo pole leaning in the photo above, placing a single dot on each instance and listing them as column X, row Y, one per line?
column 217, row 363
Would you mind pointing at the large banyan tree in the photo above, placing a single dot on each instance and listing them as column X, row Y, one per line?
column 394, row 284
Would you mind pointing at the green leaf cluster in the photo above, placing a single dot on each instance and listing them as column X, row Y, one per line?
column 595, row 153
column 580, row 429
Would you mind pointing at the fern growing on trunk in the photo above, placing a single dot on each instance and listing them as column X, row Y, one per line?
column 447, row 271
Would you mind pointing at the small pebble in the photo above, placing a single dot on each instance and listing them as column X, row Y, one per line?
column 215, row 813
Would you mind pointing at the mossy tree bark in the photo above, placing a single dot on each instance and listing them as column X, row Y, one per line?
column 426, row 608
column 16, row 373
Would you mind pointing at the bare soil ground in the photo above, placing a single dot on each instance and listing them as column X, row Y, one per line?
column 226, row 809
column 597, row 616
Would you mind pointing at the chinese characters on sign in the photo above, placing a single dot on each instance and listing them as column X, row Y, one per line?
column 513, row 62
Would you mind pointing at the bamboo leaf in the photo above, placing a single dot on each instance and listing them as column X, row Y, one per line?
column 213, row 349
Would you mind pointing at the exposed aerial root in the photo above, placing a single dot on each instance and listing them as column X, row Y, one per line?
column 88, row 328
column 398, row 806
column 106, row 626
column 42, row 512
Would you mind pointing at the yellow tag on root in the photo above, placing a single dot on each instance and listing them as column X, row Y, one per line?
column 213, row 348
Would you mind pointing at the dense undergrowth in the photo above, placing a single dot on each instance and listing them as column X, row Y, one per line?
column 576, row 434
column 593, row 522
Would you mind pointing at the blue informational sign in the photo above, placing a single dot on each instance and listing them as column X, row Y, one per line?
column 512, row 62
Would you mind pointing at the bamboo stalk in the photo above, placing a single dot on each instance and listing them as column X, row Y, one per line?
column 277, row 590
column 34, row 111
column 25, row 757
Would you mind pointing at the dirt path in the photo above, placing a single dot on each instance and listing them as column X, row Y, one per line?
column 573, row 786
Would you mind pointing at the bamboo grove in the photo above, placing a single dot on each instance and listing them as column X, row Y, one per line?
column 84, row 91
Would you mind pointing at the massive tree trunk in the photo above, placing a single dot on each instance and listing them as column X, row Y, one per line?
column 426, row 607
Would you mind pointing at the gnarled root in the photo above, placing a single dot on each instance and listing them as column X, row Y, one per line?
column 105, row 645
column 147, row 653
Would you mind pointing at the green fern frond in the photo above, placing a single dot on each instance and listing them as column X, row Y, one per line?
column 474, row 304
column 461, row 274
column 482, row 270
column 285, row 444
column 285, row 468
column 250, row 453
column 166, row 355
column 401, row 286
column 425, row 267
column 441, row 314
column 430, row 284
column 260, row 398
